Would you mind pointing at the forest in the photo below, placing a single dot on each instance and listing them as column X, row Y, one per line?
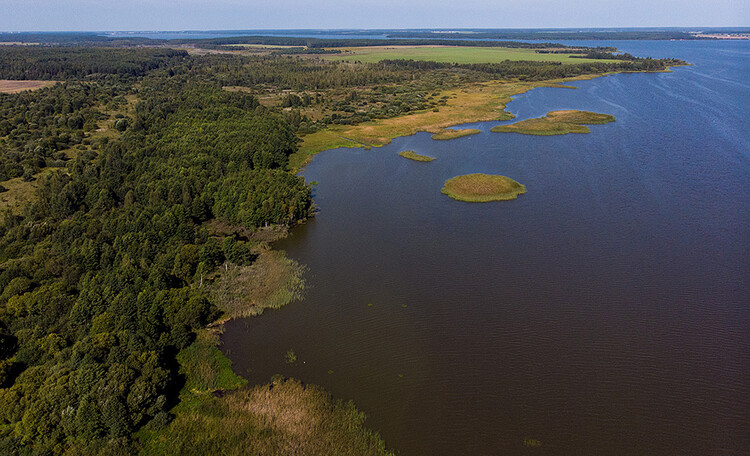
column 98, row 273
column 138, row 154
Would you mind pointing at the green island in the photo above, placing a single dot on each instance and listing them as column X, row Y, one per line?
column 482, row 188
column 556, row 123
column 141, row 184
column 411, row 155
column 450, row 133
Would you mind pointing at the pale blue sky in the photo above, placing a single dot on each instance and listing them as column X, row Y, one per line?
column 63, row 15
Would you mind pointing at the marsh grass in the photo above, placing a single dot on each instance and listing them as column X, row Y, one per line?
column 270, row 282
column 218, row 414
column 284, row 417
column 205, row 368
column 450, row 133
column 482, row 188
column 411, row 155
column 477, row 102
column 556, row 123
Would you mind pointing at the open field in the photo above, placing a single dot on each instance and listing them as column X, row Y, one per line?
column 260, row 46
column 19, row 192
column 8, row 86
column 482, row 188
column 450, row 54
column 556, row 123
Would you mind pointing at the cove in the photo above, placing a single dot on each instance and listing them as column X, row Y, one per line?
column 603, row 312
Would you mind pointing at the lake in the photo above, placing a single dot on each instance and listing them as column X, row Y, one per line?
column 606, row 311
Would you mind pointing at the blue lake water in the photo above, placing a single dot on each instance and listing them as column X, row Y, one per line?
column 606, row 311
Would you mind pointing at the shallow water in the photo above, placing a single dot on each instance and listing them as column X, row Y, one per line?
column 603, row 312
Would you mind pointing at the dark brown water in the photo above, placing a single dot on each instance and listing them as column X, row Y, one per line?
column 605, row 312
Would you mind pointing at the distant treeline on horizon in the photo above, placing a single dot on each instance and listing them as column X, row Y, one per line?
column 322, row 38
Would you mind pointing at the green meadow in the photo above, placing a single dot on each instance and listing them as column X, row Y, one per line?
column 449, row 54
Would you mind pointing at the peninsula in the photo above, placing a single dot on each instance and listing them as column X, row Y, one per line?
column 556, row 123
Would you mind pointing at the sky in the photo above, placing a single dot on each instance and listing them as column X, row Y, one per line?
column 112, row 15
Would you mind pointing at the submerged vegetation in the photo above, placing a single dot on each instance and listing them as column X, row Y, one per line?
column 556, row 123
column 482, row 188
column 411, row 155
column 450, row 133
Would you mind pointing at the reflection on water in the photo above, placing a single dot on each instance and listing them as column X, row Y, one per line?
column 603, row 312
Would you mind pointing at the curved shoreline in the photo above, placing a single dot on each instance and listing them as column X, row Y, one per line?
column 477, row 102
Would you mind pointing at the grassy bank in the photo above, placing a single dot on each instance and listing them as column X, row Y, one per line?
column 285, row 417
column 450, row 133
column 477, row 102
column 482, row 188
column 218, row 412
column 411, row 155
column 556, row 123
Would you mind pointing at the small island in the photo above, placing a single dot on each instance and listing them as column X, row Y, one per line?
column 450, row 133
column 482, row 188
column 556, row 123
column 411, row 155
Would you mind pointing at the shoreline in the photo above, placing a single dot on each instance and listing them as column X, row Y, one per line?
column 476, row 102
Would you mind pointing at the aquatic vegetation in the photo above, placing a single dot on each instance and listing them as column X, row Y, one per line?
column 556, row 123
column 450, row 133
column 270, row 282
column 283, row 417
column 480, row 188
column 291, row 357
column 411, row 155
column 205, row 368
column 532, row 443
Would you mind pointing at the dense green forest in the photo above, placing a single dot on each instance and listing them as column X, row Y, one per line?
column 99, row 273
column 154, row 168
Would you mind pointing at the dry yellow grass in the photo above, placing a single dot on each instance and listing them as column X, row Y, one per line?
column 477, row 102
column 8, row 86
column 283, row 418
column 450, row 133
column 411, row 155
column 557, row 123
column 20, row 192
column 482, row 188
